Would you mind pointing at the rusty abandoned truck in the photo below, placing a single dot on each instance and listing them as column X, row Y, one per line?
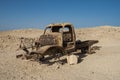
column 57, row 40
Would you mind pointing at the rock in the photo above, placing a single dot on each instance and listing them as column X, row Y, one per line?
column 57, row 67
column 72, row 59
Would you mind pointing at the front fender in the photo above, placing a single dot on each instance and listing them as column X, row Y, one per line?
column 44, row 50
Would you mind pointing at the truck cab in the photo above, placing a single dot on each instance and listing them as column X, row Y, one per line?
column 59, row 34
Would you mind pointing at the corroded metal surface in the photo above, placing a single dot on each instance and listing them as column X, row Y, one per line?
column 56, row 39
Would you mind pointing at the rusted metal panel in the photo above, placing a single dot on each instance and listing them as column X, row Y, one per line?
column 60, row 38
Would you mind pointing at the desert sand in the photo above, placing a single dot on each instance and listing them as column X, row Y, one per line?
column 103, row 65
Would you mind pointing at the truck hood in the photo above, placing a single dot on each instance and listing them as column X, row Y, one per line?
column 51, row 39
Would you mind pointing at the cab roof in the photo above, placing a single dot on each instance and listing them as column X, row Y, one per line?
column 59, row 24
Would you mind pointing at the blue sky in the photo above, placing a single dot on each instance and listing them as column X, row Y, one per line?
column 19, row 14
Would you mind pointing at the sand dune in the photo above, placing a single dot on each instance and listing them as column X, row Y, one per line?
column 103, row 65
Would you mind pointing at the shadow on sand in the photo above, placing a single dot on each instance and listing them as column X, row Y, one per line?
column 63, row 61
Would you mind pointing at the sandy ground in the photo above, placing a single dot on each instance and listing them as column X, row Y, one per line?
column 103, row 65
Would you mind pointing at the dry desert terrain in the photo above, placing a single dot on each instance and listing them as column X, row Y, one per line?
column 103, row 65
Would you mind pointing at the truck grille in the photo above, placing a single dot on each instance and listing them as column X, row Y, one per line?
column 47, row 40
